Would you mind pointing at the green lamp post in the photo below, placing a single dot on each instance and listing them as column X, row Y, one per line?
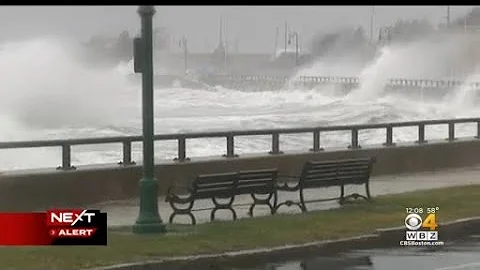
column 149, row 220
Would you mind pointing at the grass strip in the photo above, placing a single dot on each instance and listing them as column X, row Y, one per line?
column 350, row 220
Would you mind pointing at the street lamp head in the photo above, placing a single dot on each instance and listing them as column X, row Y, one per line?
column 146, row 10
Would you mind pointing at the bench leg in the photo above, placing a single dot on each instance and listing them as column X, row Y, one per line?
column 289, row 203
column 266, row 201
column 223, row 206
column 275, row 203
column 355, row 196
column 182, row 211
column 367, row 190
column 302, row 205
column 342, row 194
column 192, row 217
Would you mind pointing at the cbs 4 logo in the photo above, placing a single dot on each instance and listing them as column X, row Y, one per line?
column 414, row 222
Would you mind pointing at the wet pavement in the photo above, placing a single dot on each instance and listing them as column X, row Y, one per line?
column 121, row 213
column 462, row 254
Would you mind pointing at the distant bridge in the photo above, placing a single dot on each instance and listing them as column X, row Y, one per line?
column 345, row 83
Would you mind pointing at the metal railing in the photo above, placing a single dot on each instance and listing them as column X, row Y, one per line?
column 230, row 136
column 424, row 83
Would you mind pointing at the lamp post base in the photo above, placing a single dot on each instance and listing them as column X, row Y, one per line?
column 148, row 220
column 145, row 228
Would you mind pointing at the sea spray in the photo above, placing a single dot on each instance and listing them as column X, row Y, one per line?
column 423, row 59
column 43, row 84
column 102, row 102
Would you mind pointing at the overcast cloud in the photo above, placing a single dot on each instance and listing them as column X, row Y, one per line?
column 253, row 26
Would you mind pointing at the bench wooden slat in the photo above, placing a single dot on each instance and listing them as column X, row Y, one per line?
column 214, row 184
column 352, row 174
column 320, row 184
column 353, row 167
column 258, row 181
column 257, row 173
column 251, row 181
column 320, row 171
column 216, row 178
column 339, row 165
column 332, row 167
column 259, row 189
column 214, row 193
column 219, row 186
column 336, row 161
column 320, row 175
column 333, row 176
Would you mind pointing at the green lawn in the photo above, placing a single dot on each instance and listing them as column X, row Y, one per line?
column 353, row 219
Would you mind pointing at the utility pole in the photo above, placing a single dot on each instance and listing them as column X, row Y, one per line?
column 226, row 47
column 184, row 45
column 372, row 23
column 286, row 35
column 276, row 43
column 295, row 35
column 448, row 16
column 220, row 34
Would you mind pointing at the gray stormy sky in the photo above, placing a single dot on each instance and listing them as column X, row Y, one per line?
column 253, row 26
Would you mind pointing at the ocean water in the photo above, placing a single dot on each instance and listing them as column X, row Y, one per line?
column 47, row 92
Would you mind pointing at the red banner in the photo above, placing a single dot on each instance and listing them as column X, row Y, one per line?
column 54, row 227
column 24, row 229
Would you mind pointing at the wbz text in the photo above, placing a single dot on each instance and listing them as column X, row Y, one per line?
column 421, row 231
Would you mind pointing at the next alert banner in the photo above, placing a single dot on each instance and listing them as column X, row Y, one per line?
column 83, row 227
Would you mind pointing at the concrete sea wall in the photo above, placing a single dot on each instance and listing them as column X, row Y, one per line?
column 28, row 190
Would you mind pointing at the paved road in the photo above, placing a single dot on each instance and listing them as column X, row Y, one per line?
column 461, row 255
column 125, row 212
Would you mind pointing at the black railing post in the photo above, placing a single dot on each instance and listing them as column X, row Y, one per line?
column 478, row 130
column 127, row 154
column 451, row 131
column 421, row 134
column 354, row 144
column 181, row 150
column 389, row 141
column 230, row 146
column 66, row 158
column 275, row 144
column 316, row 142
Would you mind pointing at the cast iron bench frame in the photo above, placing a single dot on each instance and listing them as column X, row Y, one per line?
column 330, row 173
column 226, row 186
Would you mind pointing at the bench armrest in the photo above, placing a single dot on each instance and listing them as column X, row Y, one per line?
column 285, row 187
column 173, row 197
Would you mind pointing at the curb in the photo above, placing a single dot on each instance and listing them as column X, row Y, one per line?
column 387, row 237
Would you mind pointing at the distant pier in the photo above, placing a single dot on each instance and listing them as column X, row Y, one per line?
column 257, row 82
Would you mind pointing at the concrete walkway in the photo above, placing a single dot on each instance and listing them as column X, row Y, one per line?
column 121, row 213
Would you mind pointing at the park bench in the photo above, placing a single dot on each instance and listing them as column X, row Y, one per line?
column 225, row 186
column 323, row 174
